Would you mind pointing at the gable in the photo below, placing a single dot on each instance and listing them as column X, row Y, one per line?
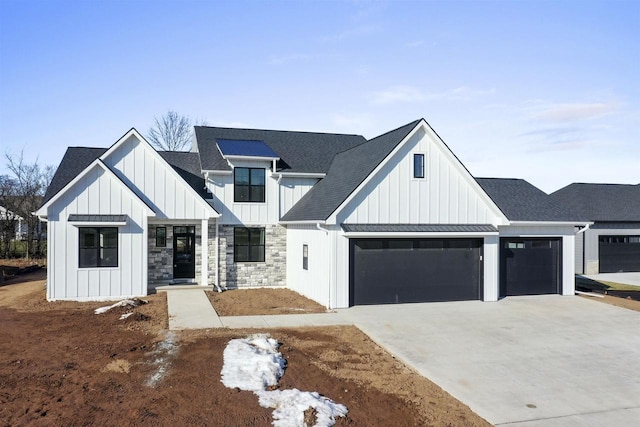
column 447, row 194
column 97, row 191
column 143, row 170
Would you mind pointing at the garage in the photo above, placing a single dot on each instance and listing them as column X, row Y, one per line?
column 619, row 254
column 530, row 266
column 391, row 271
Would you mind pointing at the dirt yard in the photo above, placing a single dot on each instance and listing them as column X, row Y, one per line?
column 61, row 364
column 247, row 302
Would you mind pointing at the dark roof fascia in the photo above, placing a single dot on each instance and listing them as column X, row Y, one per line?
column 419, row 228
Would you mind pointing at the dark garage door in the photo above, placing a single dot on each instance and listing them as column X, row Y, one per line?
column 619, row 253
column 530, row 266
column 388, row 271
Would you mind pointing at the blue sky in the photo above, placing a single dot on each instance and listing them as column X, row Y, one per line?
column 548, row 91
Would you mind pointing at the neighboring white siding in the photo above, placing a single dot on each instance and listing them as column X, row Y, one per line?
column 154, row 181
column 579, row 253
column 292, row 190
column 96, row 193
column 221, row 186
column 566, row 233
column 314, row 282
column 447, row 194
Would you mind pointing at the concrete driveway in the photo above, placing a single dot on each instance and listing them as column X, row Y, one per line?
column 523, row 361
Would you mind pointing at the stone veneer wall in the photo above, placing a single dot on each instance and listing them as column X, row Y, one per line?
column 272, row 272
column 161, row 258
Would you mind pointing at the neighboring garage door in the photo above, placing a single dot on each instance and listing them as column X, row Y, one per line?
column 530, row 266
column 619, row 253
column 389, row 271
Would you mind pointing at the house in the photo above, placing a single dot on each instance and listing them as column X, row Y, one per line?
column 20, row 226
column 338, row 218
column 612, row 243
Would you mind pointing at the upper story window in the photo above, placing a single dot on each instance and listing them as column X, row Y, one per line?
column 418, row 165
column 249, row 184
column 98, row 247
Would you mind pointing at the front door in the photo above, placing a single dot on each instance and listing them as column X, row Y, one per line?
column 184, row 252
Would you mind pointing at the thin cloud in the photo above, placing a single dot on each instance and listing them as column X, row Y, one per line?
column 575, row 111
column 363, row 30
column 294, row 57
column 415, row 43
column 398, row 94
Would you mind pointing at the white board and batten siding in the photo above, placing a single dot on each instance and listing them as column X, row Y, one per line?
column 149, row 176
column 447, row 195
column 279, row 198
column 313, row 282
column 97, row 192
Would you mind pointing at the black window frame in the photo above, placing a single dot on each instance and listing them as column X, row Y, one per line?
column 419, row 173
column 305, row 256
column 161, row 238
column 251, row 188
column 248, row 245
column 100, row 261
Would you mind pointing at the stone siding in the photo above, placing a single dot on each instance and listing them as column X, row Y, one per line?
column 160, row 264
column 272, row 272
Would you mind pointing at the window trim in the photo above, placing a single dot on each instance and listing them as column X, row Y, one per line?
column 162, row 243
column 250, row 186
column 98, row 248
column 423, row 156
column 305, row 256
column 249, row 246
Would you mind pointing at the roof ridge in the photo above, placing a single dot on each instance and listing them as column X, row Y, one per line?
column 280, row 130
column 379, row 136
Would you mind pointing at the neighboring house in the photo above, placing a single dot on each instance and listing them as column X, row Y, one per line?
column 21, row 225
column 340, row 219
column 612, row 243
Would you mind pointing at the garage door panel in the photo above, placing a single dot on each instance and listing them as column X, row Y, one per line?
column 529, row 266
column 619, row 254
column 420, row 270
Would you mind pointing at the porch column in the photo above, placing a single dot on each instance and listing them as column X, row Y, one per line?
column 204, row 244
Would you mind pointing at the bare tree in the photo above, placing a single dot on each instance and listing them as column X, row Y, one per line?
column 30, row 184
column 8, row 218
column 172, row 132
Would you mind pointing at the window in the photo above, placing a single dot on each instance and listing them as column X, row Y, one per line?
column 305, row 257
column 248, row 244
column 98, row 247
column 248, row 184
column 161, row 237
column 418, row 165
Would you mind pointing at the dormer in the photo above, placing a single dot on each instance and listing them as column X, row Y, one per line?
column 246, row 150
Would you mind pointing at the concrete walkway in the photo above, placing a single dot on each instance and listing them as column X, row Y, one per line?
column 190, row 309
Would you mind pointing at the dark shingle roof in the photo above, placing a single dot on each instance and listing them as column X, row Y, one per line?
column 188, row 167
column 348, row 170
column 419, row 228
column 305, row 152
column 521, row 201
column 74, row 161
column 97, row 218
column 600, row 202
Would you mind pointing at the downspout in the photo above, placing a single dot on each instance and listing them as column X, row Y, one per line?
column 331, row 266
column 584, row 245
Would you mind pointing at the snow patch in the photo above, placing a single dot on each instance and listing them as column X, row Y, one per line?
column 124, row 316
column 290, row 405
column 124, row 303
column 163, row 354
column 254, row 364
